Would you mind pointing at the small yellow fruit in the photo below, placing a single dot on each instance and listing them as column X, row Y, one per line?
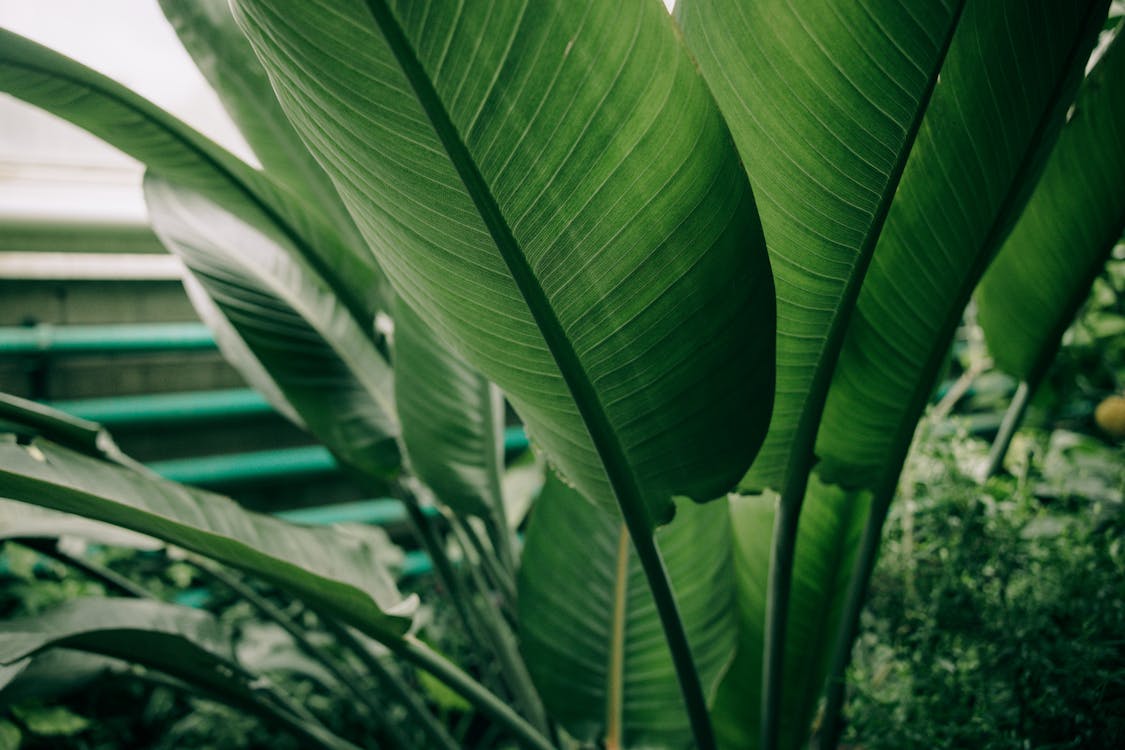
column 1110, row 416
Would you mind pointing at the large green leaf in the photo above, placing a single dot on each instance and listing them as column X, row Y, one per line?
column 588, row 625
column 23, row 521
column 555, row 193
column 1011, row 71
column 339, row 573
column 290, row 319
column 171, row 148
column 823, row 99
column 1061, row 242
column 831, row 522
column 452, row 420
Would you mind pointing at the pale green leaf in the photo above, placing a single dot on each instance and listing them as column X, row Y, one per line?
column 336, row 572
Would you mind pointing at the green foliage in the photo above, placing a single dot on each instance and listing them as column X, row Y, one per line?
column 996, row 614
column 565, row 205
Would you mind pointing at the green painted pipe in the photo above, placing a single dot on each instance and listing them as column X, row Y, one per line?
column 192, row 406
column 46, row 338
column 383, row 511
column 275, row 465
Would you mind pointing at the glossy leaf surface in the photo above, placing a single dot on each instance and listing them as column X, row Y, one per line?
column 588, row 622
column 1076, row 215
column 555, row 193
column 339, row 573
column 823, row 99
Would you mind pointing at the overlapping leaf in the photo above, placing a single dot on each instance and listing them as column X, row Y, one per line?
column 452, row 420
column 301, row 338
column 827, row 538
column 336, row 572
column 1062, row 240
column 1010, row 74
column 554, row 192
column 588, row 622
column 823, row 99
column 175, row 151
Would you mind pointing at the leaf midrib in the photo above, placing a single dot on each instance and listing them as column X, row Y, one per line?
column 593, row 413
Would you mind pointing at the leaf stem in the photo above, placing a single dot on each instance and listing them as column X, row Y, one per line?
column 414, row 651
column 1008, row 426
column 111, row 579
column 616, row 692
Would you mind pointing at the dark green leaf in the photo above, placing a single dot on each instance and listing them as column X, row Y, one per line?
column 823, row 99
column 336, row 572
column 1062, row 240
column 290, row 319
column 569, row 587
column 1011, row 71
column 452, row 420
column 827, row 538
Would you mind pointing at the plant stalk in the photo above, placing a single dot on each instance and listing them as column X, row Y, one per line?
column 778, row 589
column 344, row 675
column 388, row 679
column 1008, row 426
column 111, row 579
column 512, row 665
column 414, row 651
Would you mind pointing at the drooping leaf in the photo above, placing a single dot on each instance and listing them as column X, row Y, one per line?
column 188, row 644
column 1010, row 74
column 823, row 99
column 588, row 622
column 24, row 521
column 336, row 572
column 30, row 418
column 452, row 420
column 827, row 537
column 1045, row 269
column 555, row 193
column 290, row 319
column 52, row 673
column 171, row 148
column 224, row 57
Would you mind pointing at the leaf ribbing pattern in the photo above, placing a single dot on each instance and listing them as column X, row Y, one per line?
column 823, row 99
column 613, row 172
column 999, row 102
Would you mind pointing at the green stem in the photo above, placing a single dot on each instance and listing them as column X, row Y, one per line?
column 312, row 733
column 504, row 647
column 414, row 651
column 616, row 690
column 392, row 682
column 345, row 676
column 777, row 610
column 498, row 577
column 1011, row 422
column 111, row 579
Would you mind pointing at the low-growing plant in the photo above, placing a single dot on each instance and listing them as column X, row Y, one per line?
column 726, row 251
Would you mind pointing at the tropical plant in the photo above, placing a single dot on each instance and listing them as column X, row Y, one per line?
column 553, row 202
